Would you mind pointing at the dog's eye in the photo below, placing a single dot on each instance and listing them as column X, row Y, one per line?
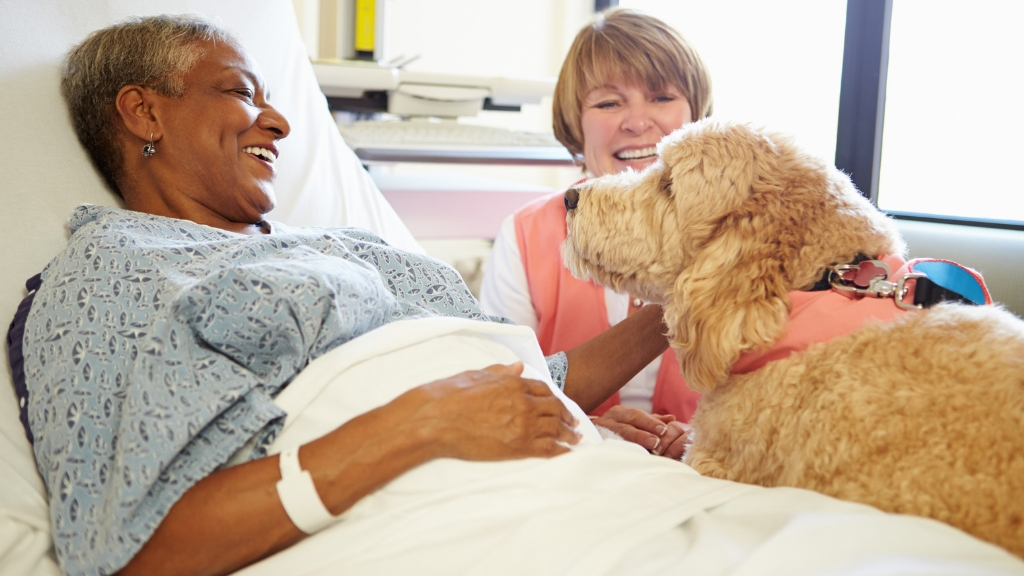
column 666, row 184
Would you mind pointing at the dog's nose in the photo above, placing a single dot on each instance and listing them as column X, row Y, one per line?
column 572, row 198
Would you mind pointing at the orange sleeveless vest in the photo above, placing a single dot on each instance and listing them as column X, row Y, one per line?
column 571, row 311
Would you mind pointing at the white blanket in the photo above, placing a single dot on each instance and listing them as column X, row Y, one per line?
column 605, row 508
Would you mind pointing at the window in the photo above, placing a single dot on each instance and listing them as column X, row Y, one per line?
column 949, row 100
column 952, row 139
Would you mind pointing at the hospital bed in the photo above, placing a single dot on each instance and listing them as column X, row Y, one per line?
column 448, row 517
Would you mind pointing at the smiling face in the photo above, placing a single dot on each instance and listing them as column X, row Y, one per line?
column 215, row 146
column 622, row 124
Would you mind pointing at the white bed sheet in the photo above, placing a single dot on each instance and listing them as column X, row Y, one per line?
column 607, row 507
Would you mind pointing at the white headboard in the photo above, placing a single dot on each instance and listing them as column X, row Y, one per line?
column 44, row 173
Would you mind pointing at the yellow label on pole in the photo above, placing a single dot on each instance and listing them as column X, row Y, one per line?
column 366, row 11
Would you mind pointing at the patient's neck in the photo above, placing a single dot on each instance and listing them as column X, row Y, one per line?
column 249, row 220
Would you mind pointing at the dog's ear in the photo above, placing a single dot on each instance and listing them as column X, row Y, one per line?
column 731, row 295
column 731, row 300
column 759, row 218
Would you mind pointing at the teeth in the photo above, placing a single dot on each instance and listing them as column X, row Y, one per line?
column 261, row 152
column 634, row 154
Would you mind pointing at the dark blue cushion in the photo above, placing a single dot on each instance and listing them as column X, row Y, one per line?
column 15, row 338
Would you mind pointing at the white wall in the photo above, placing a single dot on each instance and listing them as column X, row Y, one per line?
column 482, row 37
column 777, row 63
column 528, row 38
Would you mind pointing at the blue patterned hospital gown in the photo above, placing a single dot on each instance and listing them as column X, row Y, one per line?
column 154, row 348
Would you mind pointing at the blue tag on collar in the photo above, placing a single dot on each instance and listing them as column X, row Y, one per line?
column 953, row 277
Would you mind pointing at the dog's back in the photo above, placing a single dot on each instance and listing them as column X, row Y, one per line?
column 923, row 415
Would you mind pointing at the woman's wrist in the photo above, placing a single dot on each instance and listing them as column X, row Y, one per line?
column 298, row 495
column 366, row 453
column 601, row 366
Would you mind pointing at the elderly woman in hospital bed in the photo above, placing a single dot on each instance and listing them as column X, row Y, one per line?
column 205, row 388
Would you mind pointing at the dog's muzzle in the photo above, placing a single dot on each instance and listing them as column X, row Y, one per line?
column 572, row 198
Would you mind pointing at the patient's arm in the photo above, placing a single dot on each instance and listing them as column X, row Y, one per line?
column 234, row 517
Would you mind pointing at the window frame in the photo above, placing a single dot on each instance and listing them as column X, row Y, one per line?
column 862, row 108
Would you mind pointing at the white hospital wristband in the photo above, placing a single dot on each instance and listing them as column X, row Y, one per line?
column 299, row 497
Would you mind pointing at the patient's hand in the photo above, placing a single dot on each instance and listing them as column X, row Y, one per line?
column 661, row 434
column 491, row 414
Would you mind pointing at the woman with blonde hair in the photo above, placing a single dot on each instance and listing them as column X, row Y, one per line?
column 628, row 80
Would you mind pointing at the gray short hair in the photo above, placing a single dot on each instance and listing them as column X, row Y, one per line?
column 156, row 52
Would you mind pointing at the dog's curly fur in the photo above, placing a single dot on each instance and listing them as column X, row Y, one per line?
column 923, row 415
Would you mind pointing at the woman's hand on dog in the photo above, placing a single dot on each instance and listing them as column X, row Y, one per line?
column 661, row 434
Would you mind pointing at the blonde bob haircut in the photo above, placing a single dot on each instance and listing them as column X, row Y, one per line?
column 623, row 46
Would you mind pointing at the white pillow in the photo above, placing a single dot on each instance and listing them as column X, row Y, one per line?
column 45, row 173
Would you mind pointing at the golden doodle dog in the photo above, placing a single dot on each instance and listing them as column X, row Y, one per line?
column 755, row 248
